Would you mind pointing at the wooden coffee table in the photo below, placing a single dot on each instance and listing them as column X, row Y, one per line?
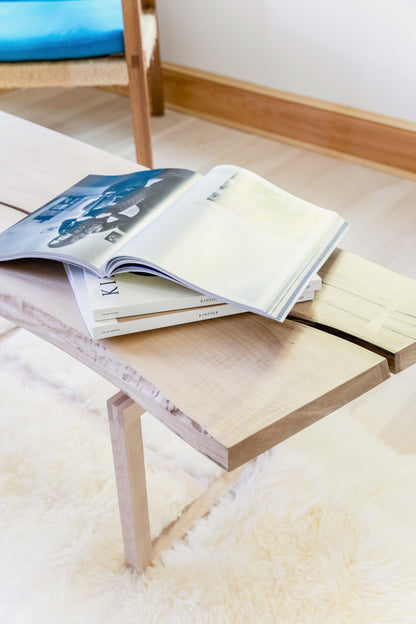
column 231, row 387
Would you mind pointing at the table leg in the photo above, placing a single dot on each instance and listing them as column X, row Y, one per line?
column 128, row 453
column 126, row 438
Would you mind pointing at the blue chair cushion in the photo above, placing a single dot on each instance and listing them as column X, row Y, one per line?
column 32, row 30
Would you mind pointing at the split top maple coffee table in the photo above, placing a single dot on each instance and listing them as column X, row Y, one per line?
column 230, row 387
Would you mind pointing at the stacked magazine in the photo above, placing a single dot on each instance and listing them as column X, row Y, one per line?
column 128, row 302
column 218, row 244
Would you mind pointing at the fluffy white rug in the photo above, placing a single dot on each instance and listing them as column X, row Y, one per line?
column 320, row 530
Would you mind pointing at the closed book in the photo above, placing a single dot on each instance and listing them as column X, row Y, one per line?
column 127, row 294
column 142, row 322
column 131, row 294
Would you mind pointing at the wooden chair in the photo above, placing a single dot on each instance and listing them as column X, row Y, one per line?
column 138, row 67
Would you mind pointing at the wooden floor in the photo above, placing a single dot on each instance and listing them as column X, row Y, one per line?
column 381, row 208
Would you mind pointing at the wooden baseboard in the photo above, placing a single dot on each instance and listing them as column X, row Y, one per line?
column 370, row 139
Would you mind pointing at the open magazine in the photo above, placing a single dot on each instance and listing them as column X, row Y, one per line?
column 229, row 234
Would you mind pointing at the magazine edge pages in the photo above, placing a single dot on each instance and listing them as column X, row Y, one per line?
column 191, row 221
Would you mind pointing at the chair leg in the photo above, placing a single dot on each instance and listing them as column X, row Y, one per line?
column 140, row 114
column 126, row 437
column 139, row 98
column 155, row 70
column 156, row 83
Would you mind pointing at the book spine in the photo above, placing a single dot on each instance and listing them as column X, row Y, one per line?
column 118, row 310
column 134, row 309
column 314, row 284
column 307, row 295
column 113, row 327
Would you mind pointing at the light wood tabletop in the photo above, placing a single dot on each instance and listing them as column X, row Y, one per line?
column 231, row 387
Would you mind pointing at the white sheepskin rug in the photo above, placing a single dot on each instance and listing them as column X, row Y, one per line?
column 319, row 530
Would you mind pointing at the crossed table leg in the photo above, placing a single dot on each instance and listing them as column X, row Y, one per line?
column 128, row 453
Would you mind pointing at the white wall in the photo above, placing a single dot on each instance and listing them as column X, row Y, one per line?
column 360, row 53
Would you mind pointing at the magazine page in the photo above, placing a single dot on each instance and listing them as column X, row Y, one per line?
column 90, row 222
column 240, row 238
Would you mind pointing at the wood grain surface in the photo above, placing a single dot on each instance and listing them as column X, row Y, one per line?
column 231, row 387
column 368, row 304
column 378, row 206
